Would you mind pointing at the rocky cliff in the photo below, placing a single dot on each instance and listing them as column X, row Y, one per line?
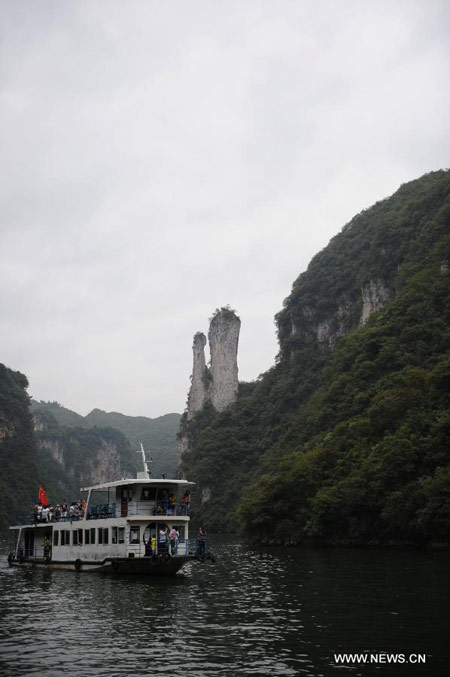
column 72, row 457
column 215, row 386
column 223, row 338
column 345, row 439
column 199, row 392
column 218, row 383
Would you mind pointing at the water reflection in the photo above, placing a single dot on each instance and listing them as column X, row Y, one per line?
column 255, row 612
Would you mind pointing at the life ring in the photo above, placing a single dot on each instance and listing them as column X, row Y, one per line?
column 78, row 564
column 166, row 558
column 154, row 559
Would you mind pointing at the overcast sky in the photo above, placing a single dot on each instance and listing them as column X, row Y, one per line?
column 162, row 158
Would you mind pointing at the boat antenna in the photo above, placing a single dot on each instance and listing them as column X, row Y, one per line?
column 146, row 473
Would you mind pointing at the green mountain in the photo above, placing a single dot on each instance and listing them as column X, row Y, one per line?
column 19, row 471
column 158, row 435
column 346, row 440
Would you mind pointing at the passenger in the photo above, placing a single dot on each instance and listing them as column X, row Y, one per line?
column 165, row 501
column 163, row 540
column 201, row 542
column 64, row 509
column 57, row 514
column 45, row 514
column 172, row 503
column 39, row 512
column 174, row 539
column 185, row 503
column 47, row 546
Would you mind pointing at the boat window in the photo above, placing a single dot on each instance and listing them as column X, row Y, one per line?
column 126, row 493
column 121, row 534
column 92, row 536
column 80, row 536
column 87, row 533
column 56, row 538
column 134, row 534
column 114, row 535
column 148, row 494
column 75, row 537
column 100, row 536
column 105, row 536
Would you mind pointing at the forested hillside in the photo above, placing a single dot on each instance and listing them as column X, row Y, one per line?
column 158, row 435
column 346, row 440
column 19, row 470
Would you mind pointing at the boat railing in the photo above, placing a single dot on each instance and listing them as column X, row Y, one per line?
column 135, row 509
column 32, row 553
column 110, row 510
column 101, row 511
column 31, row 518
column 184, row 548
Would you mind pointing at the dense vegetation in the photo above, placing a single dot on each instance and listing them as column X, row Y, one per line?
column 19, row 471
column 346, row 440
column 158, row 435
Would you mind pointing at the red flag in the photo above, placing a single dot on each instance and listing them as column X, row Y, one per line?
column 43, row 500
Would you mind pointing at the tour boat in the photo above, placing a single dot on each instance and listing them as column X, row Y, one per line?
column 121, row 531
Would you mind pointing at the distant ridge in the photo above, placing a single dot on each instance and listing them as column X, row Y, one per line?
column 158, row 435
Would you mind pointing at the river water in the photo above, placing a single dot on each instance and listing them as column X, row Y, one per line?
column 256, row 611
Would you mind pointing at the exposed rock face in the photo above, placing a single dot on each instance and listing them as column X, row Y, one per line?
column 326, row 331
column 101, row 465
column 375, row 295
column 105, row 465
column 206, row 494
column 7, row 429
column 39, row 423
column 223, row 342
column 219, row 383
column 199, row 392
column 54, row 447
